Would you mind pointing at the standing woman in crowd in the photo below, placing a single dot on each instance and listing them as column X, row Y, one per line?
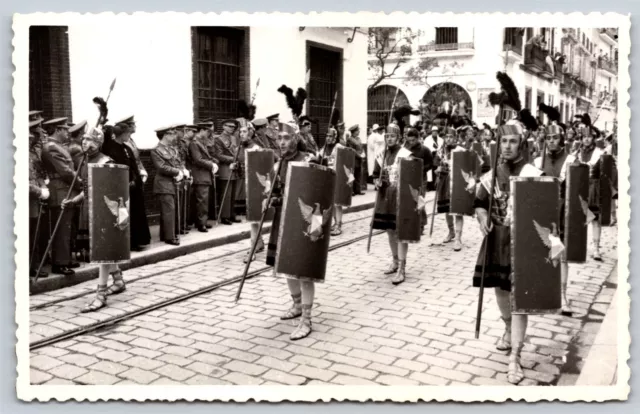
column 115, row 147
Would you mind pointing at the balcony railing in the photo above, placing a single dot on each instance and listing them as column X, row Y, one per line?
column 535, row 60
column 606, row 64
column 435, row 47
column 572, row 34
column 612, row 33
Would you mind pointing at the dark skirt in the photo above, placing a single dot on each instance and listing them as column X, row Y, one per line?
column 594, row 196
column 443, row 193
column 498, row 264
column 384, row 217
column 82, row 238
column 139, row 226
column 272, row 246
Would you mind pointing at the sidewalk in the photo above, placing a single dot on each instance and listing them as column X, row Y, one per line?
column 190, row 243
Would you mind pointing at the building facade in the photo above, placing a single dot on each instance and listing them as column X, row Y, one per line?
column 181, row 74
column 171, row 73
column 554, row 66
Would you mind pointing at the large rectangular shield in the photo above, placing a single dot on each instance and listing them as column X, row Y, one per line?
column 345, row 168
column 535, row 221
column 258, row 178
column 477, row 148
column 576, row 210
column 307, row 213
column 606, row 188
column 410, row 200
column 465, row 173
column 109, row 224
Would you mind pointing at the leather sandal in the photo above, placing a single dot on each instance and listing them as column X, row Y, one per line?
column 302, row 331
column 118, row 285
column 292, row 313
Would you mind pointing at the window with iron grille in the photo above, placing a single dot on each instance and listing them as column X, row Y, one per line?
column 218, row 68
column 446, row 38
column 379, row 102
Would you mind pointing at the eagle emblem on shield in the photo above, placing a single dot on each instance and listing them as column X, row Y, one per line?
column 349, row 173
column 551, row 239
column 420, row 201
column 315, row 218
column 120, row 211
column 471, row 181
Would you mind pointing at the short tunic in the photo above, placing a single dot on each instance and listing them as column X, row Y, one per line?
column 444, row 191
column 556, row 165
column 386, row 208
column 591, row 157
column 498, row 242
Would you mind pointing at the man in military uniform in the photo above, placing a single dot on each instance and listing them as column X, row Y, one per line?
column 182, row 148
column 38, row 194
column 59, row 166
column 353, row 141
column 272, row 132
column 226, row 148
column 168, row 175
column 204, row 167
column 306, row 143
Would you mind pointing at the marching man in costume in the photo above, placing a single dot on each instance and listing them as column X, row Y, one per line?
column 302, row 291
column 385, row 176
column 327, row 154
column 555, row 165
column 444, row 159
column 497, row 236
column 589, row 154
column 91, row 143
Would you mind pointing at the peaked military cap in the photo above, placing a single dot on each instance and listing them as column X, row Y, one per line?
column 57, row 123
column 354, row 128
column 260, row 122
column 35, row 118
column 77, row 127
column 272, row 117
column 230, row 121
column 165, row 129
column 127, row 120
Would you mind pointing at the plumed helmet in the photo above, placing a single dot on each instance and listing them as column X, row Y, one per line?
column 94, row 134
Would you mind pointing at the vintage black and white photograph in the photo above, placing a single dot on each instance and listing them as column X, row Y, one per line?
column 399, row 205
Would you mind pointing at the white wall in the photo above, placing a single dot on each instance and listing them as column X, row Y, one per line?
column 152, row 63
column 287, row 64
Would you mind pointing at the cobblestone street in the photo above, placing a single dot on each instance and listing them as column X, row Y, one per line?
column 366, row 331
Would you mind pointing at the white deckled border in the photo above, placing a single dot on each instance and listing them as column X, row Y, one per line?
column 25, row 391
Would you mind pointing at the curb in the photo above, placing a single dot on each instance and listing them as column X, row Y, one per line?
column 55, row 282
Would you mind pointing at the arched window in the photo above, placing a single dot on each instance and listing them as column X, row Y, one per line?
column 446, row 96
column 379, row 102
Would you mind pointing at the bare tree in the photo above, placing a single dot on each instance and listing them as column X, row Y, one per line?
column 389, row 45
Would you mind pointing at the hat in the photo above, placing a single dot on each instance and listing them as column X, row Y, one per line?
column 434, row 128
column 230, row 121
column 242, row 122
column 94, row 134
column 35, row 118
column 191, row 126
column 287, row 129
column 354, row 128
column 178, row 126
column 510, row 130
column 57, row 123
column 304, row 120
column 272, row 117
column 554, row 130
column 127, row 120
column 341, row 123
column 376, row 127
column 77, row 127
column 393, row 129
column 161, row 131
column 260, row 122
column 206, row 124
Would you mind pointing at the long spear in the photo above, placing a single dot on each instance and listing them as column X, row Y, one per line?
column 265, row 209
column 73, row 183
column 486, row 239
column 333, row 108
column 384, row 156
